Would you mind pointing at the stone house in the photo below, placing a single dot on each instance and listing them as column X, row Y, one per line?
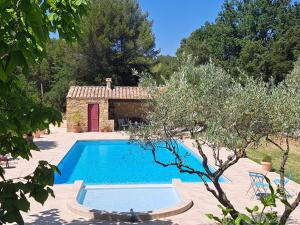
column 101, row 107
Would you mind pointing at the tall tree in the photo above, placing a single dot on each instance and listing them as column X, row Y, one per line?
column 164, row 67
column 214, row 110
column 257, row 36
column 54, row 75
column 117, row 38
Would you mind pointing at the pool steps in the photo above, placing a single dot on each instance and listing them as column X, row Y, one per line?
column 93, row 214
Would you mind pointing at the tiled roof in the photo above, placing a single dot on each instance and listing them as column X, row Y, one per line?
column 104, row 92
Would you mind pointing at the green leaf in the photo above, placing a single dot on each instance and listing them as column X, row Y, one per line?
column 255, row 208
column 242, row 218
column 14, row 216
column 3, row 74
column 249, row 210
column 286, row 203
column 40, row 195
column 3, row 48
column 212, row 217
column 23, row 204
column 16, row 58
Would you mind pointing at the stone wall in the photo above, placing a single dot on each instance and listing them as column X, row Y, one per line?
column 81, row 106
column 129, row 109
column 122, row 109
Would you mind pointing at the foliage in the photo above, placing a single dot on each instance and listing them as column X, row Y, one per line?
column 293, row 163
column 293, row 79
column 164, row 67
column 217, row 111
column 99, row 53
column 265, row 216
column 24, row 32
column 20, row 115
column 267, row 159
column 77, row 118
column 26, row 26
column 117, row 38
column 259, row 37
column 55, row 73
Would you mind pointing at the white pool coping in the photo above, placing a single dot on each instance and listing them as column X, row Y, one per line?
column 116, row 186
column 93, row 214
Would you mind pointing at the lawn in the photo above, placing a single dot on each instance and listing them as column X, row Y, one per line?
column 293, row 164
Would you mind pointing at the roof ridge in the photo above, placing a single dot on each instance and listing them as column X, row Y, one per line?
column 118, row 92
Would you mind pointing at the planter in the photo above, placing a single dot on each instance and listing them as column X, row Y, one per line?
column 267, row 166
column 77, row 129
column 106, row 129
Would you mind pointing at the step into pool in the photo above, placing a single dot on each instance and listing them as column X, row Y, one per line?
column 123, row 162
column 126, row 199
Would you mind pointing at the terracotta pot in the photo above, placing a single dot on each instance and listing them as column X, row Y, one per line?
column 267, row 166
column 77, row 129
column 106, row 129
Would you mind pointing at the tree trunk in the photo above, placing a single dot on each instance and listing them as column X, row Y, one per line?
column 288, row 210
column 282, row 171
column 222, row 198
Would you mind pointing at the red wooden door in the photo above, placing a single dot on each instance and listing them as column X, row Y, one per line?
column 93, row 117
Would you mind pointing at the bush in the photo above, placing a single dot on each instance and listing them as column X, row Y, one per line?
column 267, row 159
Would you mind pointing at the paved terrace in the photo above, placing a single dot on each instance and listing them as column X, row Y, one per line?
column 55, row 145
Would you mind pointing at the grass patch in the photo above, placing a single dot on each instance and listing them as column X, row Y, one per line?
column 293, row 163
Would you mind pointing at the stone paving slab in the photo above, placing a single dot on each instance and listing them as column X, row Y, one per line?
column 55, row 145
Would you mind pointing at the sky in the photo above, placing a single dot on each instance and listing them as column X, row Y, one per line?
column 177, row 19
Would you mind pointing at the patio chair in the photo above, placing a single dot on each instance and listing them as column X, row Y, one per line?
column 123, row 124
column 258, row 184
column 286, row 181
column 3, row 158
column 7, row 158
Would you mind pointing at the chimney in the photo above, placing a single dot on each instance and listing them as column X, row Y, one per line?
column 108, row 83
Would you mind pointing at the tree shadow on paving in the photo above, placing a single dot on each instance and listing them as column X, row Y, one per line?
column 52, row 217
column 45, row 145
column 293, row 220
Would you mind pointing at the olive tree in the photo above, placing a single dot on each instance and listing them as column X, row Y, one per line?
column 284, row 116
column 205, row 104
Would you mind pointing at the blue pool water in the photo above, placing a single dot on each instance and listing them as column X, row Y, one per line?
column 121, row 162
column 140, row 199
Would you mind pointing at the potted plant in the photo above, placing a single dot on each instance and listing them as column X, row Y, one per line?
column 77, row 120
column 106, row 129
column 266, row 163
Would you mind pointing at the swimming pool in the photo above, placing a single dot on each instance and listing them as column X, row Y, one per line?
column 123, row 162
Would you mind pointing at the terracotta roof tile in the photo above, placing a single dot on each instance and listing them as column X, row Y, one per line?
column 104, row 92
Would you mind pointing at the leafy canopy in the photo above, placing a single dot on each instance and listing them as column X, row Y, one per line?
column 217, row 111
column 259, row 37
column 24, row 33
column 117, row 38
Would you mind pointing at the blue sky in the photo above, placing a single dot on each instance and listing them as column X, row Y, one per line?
column 176, row 19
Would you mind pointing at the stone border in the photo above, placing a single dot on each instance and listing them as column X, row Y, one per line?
column 92, row 214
